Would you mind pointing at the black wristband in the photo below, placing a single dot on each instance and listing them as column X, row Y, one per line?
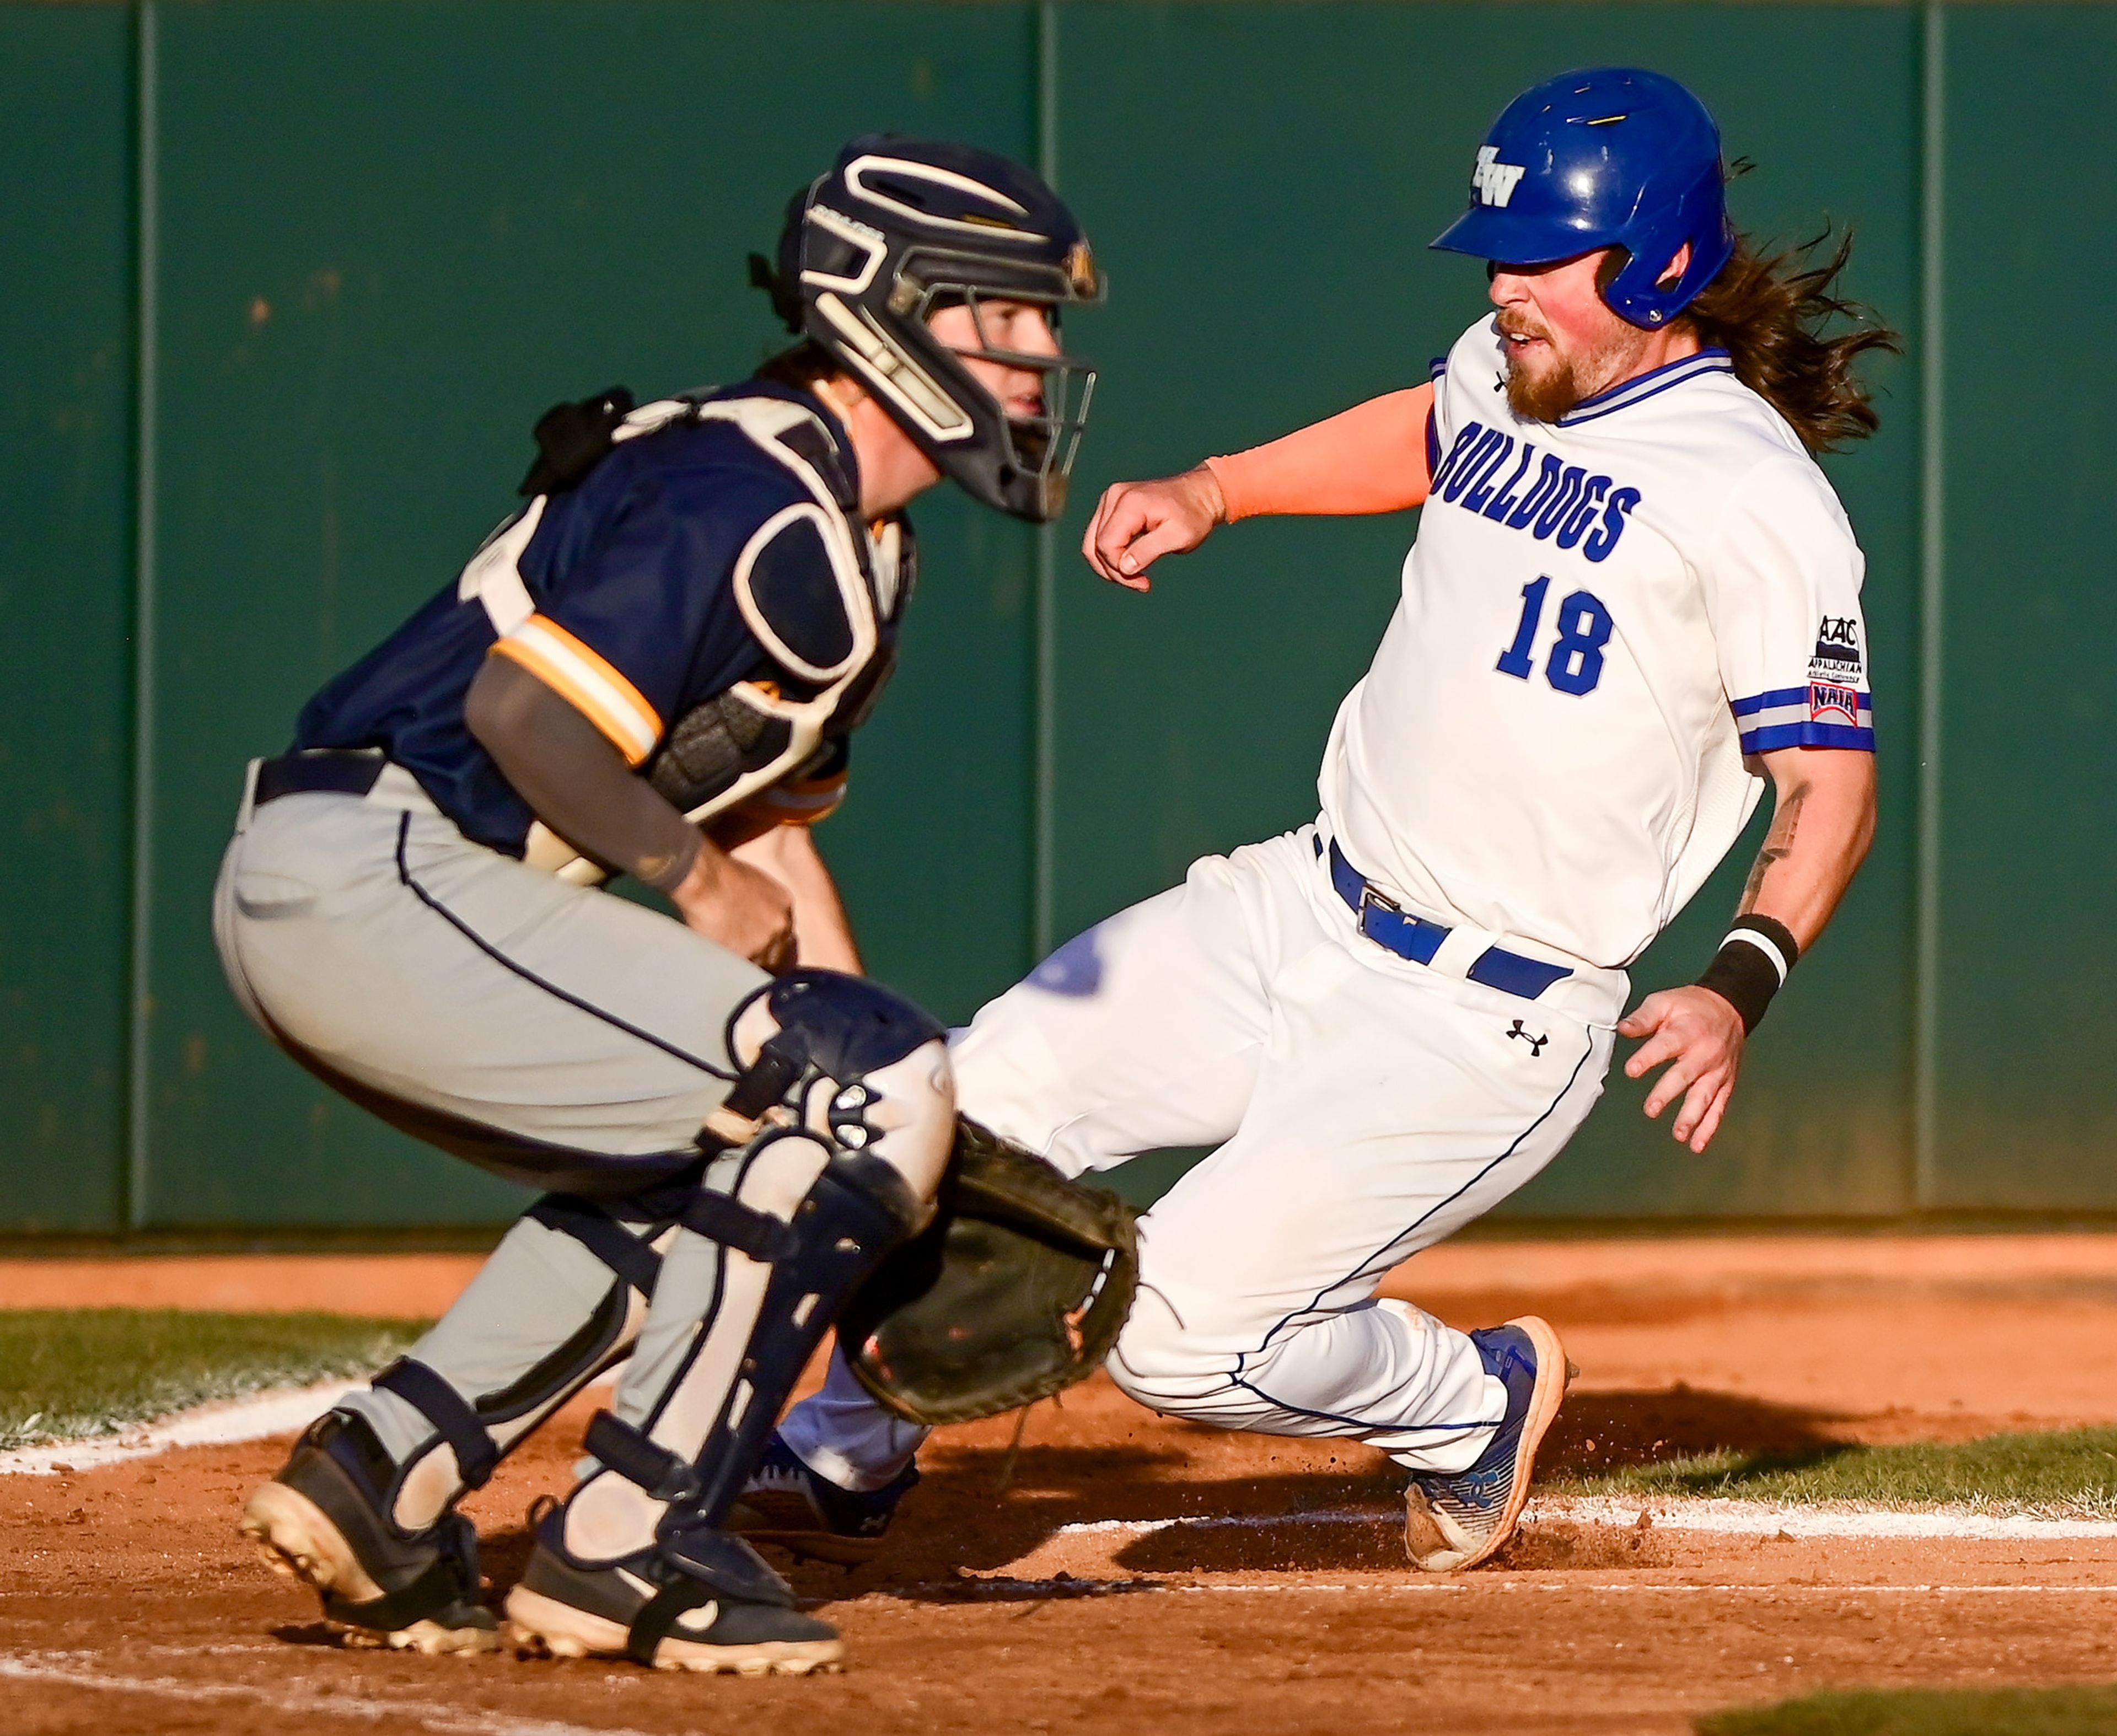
column 1752, row 966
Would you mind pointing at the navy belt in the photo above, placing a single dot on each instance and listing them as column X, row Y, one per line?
column 1416, row 938
column 344, row 771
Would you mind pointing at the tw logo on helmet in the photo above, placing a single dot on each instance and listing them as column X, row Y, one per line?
column 1494, row 181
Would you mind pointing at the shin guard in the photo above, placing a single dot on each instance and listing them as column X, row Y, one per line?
column 846, row 1108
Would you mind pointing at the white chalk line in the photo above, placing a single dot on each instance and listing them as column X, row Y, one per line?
column 64, row 1669
column 1002, row 1588
column 226, row 1423
column 286, row 1411
column 1723, row 1517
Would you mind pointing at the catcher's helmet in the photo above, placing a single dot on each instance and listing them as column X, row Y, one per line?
column 1610, row 157
column 901, row 227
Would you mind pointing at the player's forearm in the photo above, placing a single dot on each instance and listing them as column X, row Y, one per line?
column 1820, row 831
column 574, row 780
column 1370, row 458
column 822, row 933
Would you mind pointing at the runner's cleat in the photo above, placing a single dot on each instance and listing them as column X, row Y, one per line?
column 1456, row 1520
column 785, row 1503
column 734, row 1616
column 322, row 1520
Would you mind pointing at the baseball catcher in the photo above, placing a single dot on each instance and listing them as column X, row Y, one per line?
column 1634, row 601
column 654, row 668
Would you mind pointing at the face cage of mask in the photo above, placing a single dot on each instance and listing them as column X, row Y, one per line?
column 1042, row 446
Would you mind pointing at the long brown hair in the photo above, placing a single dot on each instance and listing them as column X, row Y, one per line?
column 1770, row 313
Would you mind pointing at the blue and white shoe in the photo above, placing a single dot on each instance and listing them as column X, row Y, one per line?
column 785, row 1503
column 1454, row 1520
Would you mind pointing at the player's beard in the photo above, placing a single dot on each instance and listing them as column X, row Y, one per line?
column 1547, row 393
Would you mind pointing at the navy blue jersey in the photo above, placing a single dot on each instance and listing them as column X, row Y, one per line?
column 718, row 547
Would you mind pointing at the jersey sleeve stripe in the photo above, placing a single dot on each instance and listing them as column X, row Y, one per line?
column 1778, row 696
column 593, row 685
column 1806, row 733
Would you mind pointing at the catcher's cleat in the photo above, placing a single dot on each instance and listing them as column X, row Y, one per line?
column 1457, row 1520
column 734, row 1616
column 323, row 1520
column 785, row 1503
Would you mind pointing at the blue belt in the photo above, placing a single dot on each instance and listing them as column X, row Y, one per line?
column 1417, row 940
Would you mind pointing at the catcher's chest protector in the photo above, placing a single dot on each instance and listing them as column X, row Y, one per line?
column 1016, row 1290
column 823, row 595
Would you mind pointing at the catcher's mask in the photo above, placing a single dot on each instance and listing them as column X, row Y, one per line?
column 900, row 228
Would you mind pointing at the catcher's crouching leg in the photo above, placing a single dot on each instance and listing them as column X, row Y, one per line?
column 324, row 1519
column 363, row 1510
column 846, row 1105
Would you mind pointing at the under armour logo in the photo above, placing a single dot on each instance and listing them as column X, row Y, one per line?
column 1535, row 1043
column 1494, row 181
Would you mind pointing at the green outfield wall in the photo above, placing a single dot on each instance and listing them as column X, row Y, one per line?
column 283, row 283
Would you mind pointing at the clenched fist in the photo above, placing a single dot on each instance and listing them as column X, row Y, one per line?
column 1136, row 524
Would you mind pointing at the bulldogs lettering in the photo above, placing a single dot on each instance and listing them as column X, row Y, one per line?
column 1488, row 472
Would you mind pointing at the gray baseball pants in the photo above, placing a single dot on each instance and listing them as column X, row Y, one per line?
column 555, row 1034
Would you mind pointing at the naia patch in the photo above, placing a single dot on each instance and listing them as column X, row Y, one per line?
column 1828, row 702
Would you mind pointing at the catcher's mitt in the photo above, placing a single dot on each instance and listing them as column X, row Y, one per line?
column 1016, row 1291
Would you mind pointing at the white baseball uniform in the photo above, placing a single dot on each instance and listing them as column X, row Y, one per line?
column 1600, row 618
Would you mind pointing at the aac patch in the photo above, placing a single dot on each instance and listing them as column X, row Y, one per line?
column 1836, row 658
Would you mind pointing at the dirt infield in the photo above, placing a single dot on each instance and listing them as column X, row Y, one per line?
column 390, row 1286
column 129, row 1604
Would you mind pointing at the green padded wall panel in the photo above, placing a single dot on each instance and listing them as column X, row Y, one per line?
column 395, row 233
column 392, row 232
column 65, row 589
column 2029, row 753
column 1265, row 219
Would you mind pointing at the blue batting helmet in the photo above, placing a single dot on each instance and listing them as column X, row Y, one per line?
column 1610, row 157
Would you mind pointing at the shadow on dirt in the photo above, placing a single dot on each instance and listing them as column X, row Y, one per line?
column 985, row 1505
column 311, row 1633
column 1601, row 1432
column 956, row 1520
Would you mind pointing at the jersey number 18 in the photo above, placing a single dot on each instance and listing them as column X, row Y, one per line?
column 1575, row 664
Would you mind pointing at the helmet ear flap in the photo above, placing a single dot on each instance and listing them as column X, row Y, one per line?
column 1624, row 285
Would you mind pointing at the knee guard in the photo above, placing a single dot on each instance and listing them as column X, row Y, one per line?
column 844, row 1106
column 852, row 1063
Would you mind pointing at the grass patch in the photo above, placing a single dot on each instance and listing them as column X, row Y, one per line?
column 70, row 1375
column 2046, row 1711
column 2070, row 1474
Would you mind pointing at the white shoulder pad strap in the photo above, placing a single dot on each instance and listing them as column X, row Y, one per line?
column 494, row 576
column 886, row 555
column 651, row 419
